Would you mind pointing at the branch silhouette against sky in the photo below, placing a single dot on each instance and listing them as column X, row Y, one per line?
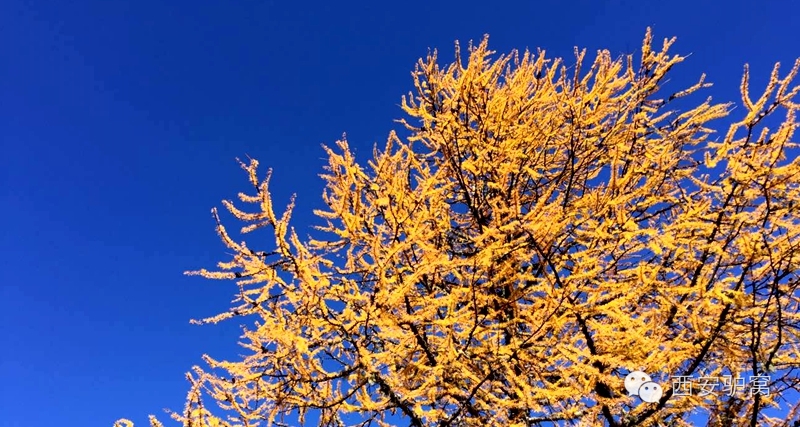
column 122, row 122
column 543, row 231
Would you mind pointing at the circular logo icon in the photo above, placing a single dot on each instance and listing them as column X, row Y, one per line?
column 634, row 380
column 650, row 392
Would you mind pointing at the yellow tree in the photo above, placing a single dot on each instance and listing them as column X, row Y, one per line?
column 542, row 232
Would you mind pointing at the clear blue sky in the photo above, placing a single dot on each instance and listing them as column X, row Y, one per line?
column 120, row 122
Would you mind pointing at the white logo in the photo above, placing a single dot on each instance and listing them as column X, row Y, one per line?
column 650, row 392
column 637, row 383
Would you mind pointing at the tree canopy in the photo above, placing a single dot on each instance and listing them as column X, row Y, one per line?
column 542, row 231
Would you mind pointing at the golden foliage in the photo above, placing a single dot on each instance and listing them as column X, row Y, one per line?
column 543, row 230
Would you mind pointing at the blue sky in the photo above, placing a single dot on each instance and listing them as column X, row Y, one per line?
column 120, row 123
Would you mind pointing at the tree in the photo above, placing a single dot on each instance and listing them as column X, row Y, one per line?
column 542, row 232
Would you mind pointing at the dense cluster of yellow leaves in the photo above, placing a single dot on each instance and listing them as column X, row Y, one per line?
column 542, row 231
